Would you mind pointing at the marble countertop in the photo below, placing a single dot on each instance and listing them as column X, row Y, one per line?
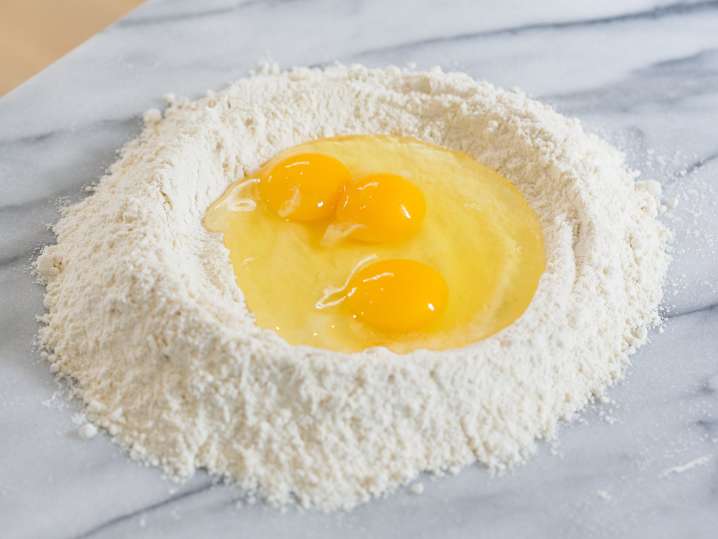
column 643, row 73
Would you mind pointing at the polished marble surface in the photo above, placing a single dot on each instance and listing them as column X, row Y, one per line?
column 642, row 73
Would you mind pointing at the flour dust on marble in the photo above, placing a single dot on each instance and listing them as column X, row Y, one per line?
column 146, row 323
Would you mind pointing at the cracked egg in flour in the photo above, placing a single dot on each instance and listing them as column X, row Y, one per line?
column 358, row 241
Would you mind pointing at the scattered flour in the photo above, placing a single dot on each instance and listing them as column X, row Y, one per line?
column 145, row 321
column 55, row 401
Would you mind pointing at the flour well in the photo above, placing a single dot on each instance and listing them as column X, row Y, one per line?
column 146, row 322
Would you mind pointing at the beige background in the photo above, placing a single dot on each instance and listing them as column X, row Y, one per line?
column 35, row 33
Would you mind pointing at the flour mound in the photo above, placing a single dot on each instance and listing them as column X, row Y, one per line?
column 146, row 322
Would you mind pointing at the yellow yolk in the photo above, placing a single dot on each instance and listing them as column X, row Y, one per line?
column 476, row 255
column 303, row 187
column 397, row 295
column 380, row 208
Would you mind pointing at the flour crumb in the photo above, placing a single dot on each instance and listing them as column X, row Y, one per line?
column 87, row 431
column 417, row 488
column 604, row 495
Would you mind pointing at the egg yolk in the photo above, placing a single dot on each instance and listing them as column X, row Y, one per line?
column 303, row 187
column 380, row 208
column 397, row 295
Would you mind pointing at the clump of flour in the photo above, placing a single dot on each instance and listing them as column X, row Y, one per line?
column 146, row 322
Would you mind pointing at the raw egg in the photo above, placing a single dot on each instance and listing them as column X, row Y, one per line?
column 303, row 187
column 352, row 242
column 396, row 295
column 379, row 208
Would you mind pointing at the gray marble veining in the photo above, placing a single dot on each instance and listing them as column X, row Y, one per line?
column 643, row 73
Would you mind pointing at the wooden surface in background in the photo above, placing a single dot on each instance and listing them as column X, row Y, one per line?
column 35, row 33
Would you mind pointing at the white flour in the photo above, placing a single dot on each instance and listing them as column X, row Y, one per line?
column 145, row 320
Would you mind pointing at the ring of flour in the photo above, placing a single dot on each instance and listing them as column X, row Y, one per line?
column 146, row 321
